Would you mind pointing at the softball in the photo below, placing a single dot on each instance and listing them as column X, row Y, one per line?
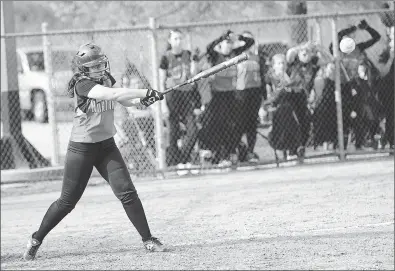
column 347, row 45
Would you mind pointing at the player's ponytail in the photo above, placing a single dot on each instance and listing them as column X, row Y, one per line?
column 71, row 85
column 74, row 79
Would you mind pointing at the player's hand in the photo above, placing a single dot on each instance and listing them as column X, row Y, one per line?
column 228, row 34
column 151, row 97
column 363, row 24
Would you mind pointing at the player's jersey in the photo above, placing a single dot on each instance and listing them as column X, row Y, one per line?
column 93, row 119
column 277, row 81
column 302, row 75
column 248, row 73
column 224, row 80
column 178, row 68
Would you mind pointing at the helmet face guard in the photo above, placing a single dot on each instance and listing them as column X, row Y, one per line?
column 88, row 70
column 90, row 56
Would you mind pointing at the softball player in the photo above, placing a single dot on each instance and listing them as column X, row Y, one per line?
column 251, row 87
column 178, row 65
column 219, row 122
column 303, row 64
column 92, row 145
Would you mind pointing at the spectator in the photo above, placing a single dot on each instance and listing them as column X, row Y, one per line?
column 250, row 86
column 365, row 106
column 219, row 122
column 285, row 134
column 303, row 63
column 176, row 66
column 386, row 90
column 350, row 61
column 324, row 116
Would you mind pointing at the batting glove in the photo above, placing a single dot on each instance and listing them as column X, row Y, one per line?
column 151, row 97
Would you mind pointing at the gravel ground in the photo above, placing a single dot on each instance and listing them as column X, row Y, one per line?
column 334, row 216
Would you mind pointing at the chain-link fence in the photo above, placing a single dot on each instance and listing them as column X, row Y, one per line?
column 296, row 97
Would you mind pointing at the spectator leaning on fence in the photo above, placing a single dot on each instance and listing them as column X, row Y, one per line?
column 176, row 66
column 250, row 86
column 285, row 134
column 219, row 122
column 303, row 63
column 92, row 145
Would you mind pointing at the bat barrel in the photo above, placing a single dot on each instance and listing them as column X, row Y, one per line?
column 213, row 70
column 222, row 66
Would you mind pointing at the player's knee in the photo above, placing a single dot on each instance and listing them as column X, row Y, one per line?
column 65, row 206
column 128, row 197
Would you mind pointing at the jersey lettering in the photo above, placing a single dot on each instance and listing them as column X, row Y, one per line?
column 96, row 106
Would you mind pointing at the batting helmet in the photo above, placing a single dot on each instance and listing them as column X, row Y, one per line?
column 90, row 55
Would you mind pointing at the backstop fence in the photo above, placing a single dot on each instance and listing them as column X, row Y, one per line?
column 341, row 105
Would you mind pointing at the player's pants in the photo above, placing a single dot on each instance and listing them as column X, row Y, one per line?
column 299, row 100
column 181, row 105
column 389, row 126
column 358, row 126
column 80, row 160
column 251, row 102
column 219, row 132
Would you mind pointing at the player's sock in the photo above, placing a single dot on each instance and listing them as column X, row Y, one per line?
column 136, row 214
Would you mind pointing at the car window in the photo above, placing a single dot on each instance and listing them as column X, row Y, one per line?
column 61, row 60
column 36, row 61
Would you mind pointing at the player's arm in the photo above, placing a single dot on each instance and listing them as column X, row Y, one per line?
column 100, row 92
column 163, row 66
column 291, row 54
column 146, row 96
column 129, row 103
column 248, row 42
column 324, row 56
column 195, row 62
column 211, row 47
column 375, row 36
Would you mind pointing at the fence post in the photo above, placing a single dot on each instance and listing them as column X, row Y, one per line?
column 318, row 32
column 189, row 40
column 50, row 98
column 338, row 97
column 160, row 146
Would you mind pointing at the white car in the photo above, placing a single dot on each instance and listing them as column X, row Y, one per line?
column 34, row 83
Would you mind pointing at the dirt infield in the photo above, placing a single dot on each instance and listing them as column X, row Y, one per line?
column 335, row 216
